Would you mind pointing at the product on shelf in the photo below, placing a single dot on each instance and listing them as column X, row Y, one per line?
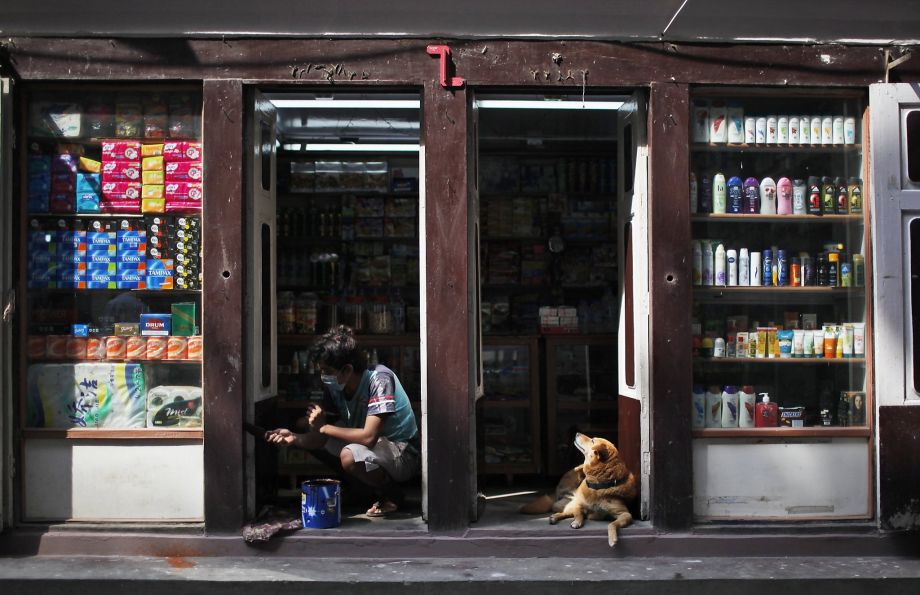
column 174, row 406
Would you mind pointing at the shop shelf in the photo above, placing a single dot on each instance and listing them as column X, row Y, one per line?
column 114, row 434
column 88, row 215
column 96, row 140
column 751, row 218
column 145, row 292
column 781, row 360
column 165, row 362
column 808, row 432
column 724, row 148
column 759, row 292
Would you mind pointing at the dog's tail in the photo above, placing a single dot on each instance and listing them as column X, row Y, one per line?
column 541, row 505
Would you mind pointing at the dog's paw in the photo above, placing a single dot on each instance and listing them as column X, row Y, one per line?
column 612, row 537
column 553, row 519
column 577, row 524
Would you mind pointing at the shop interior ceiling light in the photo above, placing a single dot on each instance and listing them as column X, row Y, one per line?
column 365, row 148
column 547, row 104
column 347, row 103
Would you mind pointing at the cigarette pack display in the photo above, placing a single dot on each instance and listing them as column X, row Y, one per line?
column 118, row 150
column 91, row 395
column 120, row 191
column 182, row 151
column 174, row 406
column 184, row 171
column 121, row 171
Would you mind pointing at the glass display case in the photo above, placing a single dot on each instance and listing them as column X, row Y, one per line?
column 781, row 319
column 110, row 261
column 510, row 416
column 581, row 386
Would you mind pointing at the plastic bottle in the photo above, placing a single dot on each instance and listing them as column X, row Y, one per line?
column 286, row 315
column 771, row 130
column 794, row 130
column 766, row 414
column 719, row 266
column 827, row 130
column 707, row 267
column 694, row 193
column 804, row 130
column 747, row 402
column 854, row 191
column 849, row 130
column 735, row 195
column 760, row 130
column 814, row 195
column 718, row 114
column 755, row 276
column 842, row 205
column 799, row 200
column 731, row 260
column 837, row 130
column 704, row 204
column 833, row 269
column 751, row 191
column 795, row 272
column 744, row 267
column 697, row 251
column 750, row 130
column 782, row 130
column 859, row 270
column 784, row 196
column 767, row 196
column 767, row 268
column 735, row 116
column 698, row 397
column 713, row 407
column 718, row 193
column 815, row 130
column 828, row 195
column 782, row 269
column 718, row 347
column 730, row 407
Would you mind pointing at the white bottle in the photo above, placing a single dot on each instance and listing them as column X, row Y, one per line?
column 771, row 130
column 700, row 121
column 849, row 130
column 837, row 131
column 718, row 347
column 731, row 259
column 735, row 124
column 730, row 407
column 697, row 262
column 694, row 193
column 719, row 266
column 707, row 267
column 744, row 267
column 804, row 130
column 767, row 196
column 713, row 407
column 718, row 193
column 747, row 400
column 755, row 269
column 782, row 130
column 718, row 125
column 750, row 130
column 827, row 130
column 760, row 130
column 816, row 130
column 698, row 416
column 794, row 130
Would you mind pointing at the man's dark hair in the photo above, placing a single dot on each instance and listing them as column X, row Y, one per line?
column 337, row 348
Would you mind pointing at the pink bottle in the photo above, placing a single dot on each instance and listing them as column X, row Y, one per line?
column 784, row 197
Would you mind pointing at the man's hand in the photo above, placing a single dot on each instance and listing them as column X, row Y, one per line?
column 280, row 436
column 316, row 417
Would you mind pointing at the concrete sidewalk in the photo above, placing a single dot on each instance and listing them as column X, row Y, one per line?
column 369, row 572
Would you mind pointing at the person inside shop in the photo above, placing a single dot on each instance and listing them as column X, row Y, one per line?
column 374, row 435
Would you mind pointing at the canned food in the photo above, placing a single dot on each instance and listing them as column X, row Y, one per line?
column 136, row 347
column 76, row 348
column 37, row 346
column 95, row 348
column 195, row 345
column 115, row 347
column 156, row 347
column 56, row 347
column 177, row 347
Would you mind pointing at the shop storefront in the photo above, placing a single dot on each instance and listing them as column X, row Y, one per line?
column 540, row 237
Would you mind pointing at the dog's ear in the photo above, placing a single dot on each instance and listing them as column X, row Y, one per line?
column 602, row 452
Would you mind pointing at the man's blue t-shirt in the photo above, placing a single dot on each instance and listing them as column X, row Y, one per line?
column 379, row 392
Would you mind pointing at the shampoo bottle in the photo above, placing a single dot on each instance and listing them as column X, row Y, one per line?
column 730, row 407
column 697, row 263
column 699, row 407
column 747, row 402
column 707, row 263
column 766, row 414
column 751, row 191
column 713, row 407
column 784, row 196
column 768, row 196
column 719, row 193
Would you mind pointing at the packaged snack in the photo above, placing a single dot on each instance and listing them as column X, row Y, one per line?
column 99, row 118
column 153, row 163
column 156, row 119
column 152, row 191
column 182, row 151
column 149, row 150
column 120, row 150
column 121, row 171
column 183, row 119
column 184, row 171
column 49, row 118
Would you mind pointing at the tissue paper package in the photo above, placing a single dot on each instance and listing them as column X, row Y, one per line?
column 86, row 395
column 174, row 406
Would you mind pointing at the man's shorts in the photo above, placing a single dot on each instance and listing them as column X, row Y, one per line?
column 400, row 460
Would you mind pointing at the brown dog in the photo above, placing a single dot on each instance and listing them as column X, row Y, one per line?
column 606, row 488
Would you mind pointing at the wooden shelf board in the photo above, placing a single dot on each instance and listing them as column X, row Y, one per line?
column 816, row 149
column 758, row 218
column 741, row 289
column 114, row 434
column 780, row 360
column 808, row 432
column 116, row 361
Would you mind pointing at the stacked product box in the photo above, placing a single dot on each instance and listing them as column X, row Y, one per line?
column 183, row 175
column 152, row 200
column 63, row 183
column 159, row 262
column 173, row 251
column 39, row 183
column 56, row 256
column 121, row 176
column 89, row 192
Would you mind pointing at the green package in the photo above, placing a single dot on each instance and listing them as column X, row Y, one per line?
column 183, row 319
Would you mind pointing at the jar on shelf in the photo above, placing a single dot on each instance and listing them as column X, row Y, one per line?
column 305, row 314
column 380, row 317
column 286, row 315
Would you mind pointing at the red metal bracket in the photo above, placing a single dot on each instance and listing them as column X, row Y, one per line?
column 443, row 52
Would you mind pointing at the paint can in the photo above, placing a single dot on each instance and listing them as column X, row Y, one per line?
column 321, row 503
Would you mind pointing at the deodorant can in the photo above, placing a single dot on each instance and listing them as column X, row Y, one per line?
column 755, row 276
column 744, row 267
column 694, row 193
column 767, row 267
column 731, row 258
column 782, row 269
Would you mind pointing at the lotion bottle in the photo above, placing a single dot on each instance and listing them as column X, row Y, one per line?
column 747, row 402
column 767, row 196
column 699, row 407
column 784, row 196
column 766, row 414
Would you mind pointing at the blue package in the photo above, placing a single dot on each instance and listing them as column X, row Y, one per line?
column 88, row 202
column 89, row 183
column 131, row 277
column 80, row 330
column 156, row 324
column 101, row 285
column 104, row 277
column 100, row 238
column 100, row 268
column 72, row 257
column 39, row 164
column 99, row 256
column 130, row 285
column 72, row 239
column 131, row 257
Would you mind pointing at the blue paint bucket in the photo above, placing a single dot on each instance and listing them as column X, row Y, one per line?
column 321, row 504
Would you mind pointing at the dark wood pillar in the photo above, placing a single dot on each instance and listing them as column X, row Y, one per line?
column 223, row 238
column 447, row 291
column 670, row 286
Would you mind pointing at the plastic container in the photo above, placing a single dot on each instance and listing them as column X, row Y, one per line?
column 713, row 407
column 766, row 414
column 784, row 196
column 698, row 397
column 380, row 319
column 730, row 407
column 767, row 196
column 321, row 504
column 747, row 402
column 305, row 314
column 354, row 314
column 719, row 194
